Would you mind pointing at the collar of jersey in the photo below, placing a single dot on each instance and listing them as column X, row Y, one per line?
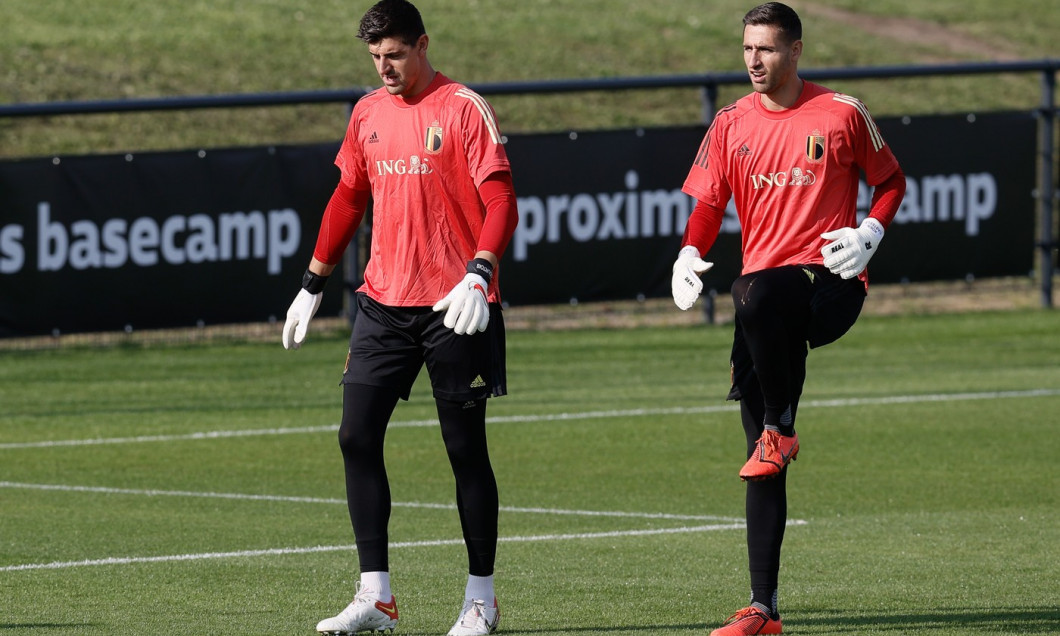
column 435, row 84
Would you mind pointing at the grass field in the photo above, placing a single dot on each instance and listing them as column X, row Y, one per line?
column 64, row 50
column 198, row 489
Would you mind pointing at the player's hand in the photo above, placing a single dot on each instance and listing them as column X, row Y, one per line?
column 849, row 249
column 465, row 307
column 686, row 284
column 299, row 314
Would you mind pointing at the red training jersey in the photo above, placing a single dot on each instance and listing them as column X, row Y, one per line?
column 793, row 174
column 423, row 159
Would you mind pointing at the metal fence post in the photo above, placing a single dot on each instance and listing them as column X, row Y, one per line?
column 710, row 306
column 709, row 94
column 1046, row 191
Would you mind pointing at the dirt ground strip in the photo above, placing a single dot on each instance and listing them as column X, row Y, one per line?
column 996, row 294
column 912, row 31
column 923, row 298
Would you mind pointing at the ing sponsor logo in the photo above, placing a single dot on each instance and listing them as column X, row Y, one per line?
column 413, row 165
column 794, row 177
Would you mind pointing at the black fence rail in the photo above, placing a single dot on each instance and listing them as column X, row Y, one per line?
column 708, row 83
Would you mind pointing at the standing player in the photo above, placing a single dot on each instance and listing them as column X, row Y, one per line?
column 428, row 153
column 789, row 154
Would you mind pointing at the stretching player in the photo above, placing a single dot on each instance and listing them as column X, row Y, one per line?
column 789, row 154
column 427, row 152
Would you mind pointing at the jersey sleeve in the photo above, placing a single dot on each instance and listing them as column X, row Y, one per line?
column 502, row 213
column 887, row 198
column 706, row 180
column 350, row 158
column 872, row 153
column 483, row 143
column 704, row 225
column 341, row 218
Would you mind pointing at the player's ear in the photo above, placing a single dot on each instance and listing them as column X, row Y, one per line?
column 796, row 50
column 421, row 44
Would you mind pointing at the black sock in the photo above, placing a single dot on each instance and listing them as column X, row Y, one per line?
column 786, row 425
column 765, row 599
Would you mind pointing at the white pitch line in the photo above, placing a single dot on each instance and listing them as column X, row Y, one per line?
column 554, row 417
column 171, row 438
column 59, row 565
column 323, row 500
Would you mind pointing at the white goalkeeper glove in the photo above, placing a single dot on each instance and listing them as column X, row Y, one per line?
column 465, row 307
column 686, row 284
column 849, row 250
column 303, row 309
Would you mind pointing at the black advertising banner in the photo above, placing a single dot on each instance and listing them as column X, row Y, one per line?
column 221, row 236
column 969, row 207
column 601, row 214
column 153, row 240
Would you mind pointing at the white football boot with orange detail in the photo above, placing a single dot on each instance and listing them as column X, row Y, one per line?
column 364, row 614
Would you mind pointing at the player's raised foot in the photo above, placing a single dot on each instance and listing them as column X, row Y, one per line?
column 773, row 452
column 477, row 617
column 749, row 621
column 364, row 614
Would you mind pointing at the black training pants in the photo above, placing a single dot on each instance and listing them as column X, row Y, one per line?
column 779, row 311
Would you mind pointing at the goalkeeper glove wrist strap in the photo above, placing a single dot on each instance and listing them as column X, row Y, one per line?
column 481, row 267
column 313, row 283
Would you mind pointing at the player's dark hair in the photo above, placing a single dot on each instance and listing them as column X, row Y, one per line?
column 776, row 14
column 397, row 19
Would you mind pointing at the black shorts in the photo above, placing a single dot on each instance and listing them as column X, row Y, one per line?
column 389, row 346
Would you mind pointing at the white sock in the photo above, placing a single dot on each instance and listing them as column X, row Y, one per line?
column 480, row 587
column 377, row 584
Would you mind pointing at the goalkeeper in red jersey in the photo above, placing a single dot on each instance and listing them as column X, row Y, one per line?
column 789, row 155
column 428, row 153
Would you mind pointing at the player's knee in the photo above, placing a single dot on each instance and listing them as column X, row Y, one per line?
column 463, row 429
column 358, row 441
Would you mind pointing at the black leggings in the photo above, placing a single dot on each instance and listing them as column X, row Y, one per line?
column 779, row 311
column 365, row 414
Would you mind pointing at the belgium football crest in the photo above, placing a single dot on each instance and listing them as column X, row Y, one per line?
column 433, row 140
column 815, row 147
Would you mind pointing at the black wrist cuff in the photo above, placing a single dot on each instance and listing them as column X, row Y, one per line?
column 481, row 267
column 313, row 283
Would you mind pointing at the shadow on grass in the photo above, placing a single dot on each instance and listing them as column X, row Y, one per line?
column 63, row 626
column 1002, row 620
column 697, row 628
column 1013, row 620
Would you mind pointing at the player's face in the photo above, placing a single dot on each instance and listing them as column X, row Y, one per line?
column 401, row 67
column 772, row 61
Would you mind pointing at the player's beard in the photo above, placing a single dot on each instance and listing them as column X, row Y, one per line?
column 773, row 81
column 768, row 82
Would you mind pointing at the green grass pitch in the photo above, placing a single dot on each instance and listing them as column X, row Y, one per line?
column 198, row 489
